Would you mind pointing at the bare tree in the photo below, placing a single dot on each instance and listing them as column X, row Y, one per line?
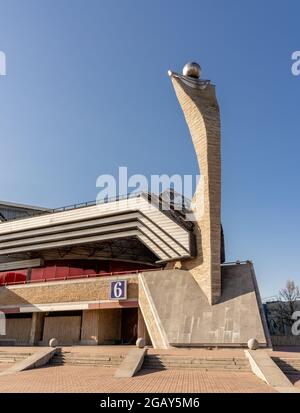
column 287, row 304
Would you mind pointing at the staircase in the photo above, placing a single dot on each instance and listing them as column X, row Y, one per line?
column 8, row 357
column 170, row 362
column 289, row 366
column 84, row 359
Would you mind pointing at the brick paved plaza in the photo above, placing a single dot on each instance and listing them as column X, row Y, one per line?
column 100, row 379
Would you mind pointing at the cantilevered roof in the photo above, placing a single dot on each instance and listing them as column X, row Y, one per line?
column 135, row 217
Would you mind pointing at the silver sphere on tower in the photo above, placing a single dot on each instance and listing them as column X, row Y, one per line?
column 192, row 69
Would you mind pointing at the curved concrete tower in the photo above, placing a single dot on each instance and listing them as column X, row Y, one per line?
column 200, row 107
column 188, row 305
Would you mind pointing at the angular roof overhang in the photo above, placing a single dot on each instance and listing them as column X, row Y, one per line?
column 134, row 217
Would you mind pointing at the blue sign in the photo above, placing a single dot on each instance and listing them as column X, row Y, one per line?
column 118, row 290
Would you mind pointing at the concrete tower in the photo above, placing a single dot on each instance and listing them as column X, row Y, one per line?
column 200, row 107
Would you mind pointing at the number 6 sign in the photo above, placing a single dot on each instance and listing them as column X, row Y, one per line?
column 118, row 290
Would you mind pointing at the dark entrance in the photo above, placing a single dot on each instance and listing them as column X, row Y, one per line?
column 129, row 325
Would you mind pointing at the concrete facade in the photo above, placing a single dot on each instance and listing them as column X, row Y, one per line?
column 189, row 319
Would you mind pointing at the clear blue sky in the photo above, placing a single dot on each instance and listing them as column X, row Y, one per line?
column 87, row 91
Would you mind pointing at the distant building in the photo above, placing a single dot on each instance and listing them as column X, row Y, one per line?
column 10, row 210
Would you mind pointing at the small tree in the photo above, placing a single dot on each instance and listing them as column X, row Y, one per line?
column 287, row 305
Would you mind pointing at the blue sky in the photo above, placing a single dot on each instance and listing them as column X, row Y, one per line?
column 87, row 91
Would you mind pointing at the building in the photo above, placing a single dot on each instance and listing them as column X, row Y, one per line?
column 111, row 272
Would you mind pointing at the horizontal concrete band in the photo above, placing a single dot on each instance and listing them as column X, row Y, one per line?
column 136, row 218
column 14, row 265
column 91, row 305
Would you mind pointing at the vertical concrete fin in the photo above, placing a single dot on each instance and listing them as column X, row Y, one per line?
column 151, row 317
column 201, row 111
column 260, row 306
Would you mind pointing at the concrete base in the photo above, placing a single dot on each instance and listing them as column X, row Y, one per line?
column 178, row 313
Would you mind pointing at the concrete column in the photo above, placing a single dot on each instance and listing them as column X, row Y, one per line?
column 142, row 329
column 201, row 111
column 36, row 330
column 90, row 327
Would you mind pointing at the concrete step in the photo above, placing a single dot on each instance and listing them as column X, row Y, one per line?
column 195, row 367
column 84, row 362
column 7, row 357
column 176, row 362
column 8, row 354
column 288, row 365
column 196, row 362
column 191, row 360
column 86, row 359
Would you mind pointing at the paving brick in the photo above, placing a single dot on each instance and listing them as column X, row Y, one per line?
column 73, row 379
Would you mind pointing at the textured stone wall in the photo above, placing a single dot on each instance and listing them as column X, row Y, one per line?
column 69, row 291
column 201, row 112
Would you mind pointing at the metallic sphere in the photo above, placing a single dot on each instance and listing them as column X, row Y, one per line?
column 192, row 69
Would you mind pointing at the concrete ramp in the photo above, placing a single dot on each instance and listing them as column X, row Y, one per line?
column 266, row 369
column 178, row 308
column 132, row 363
column 35, row 360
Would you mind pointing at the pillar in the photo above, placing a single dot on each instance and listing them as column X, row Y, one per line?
column 90, row 327
column 37, row 326
column 201, row 111
column 142, row 329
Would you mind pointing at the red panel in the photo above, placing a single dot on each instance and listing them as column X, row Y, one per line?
column 89, row 271
column 12, row 277
column 71, row 268
column 62, row 271
column 49, row 272
column 37, row 273
column 76, row 271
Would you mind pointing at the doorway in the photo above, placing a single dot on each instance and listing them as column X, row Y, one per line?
column 129, row 325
